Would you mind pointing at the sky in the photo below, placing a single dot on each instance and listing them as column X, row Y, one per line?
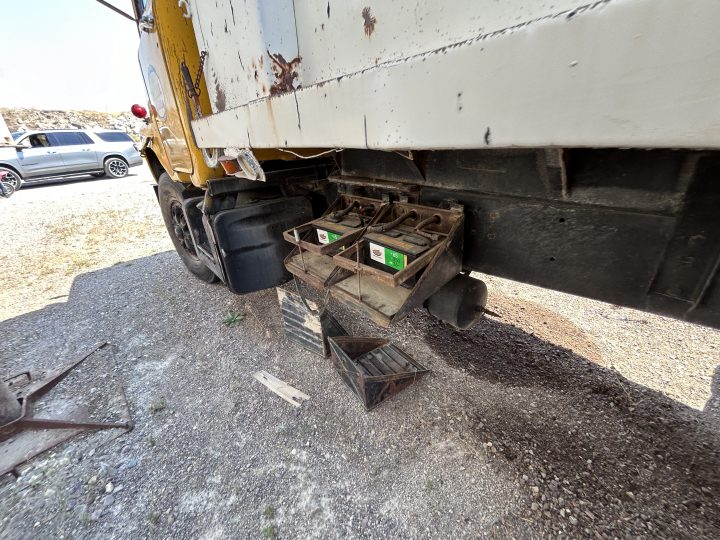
column 68, row 54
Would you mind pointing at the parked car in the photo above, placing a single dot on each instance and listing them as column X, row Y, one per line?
column 38, row 156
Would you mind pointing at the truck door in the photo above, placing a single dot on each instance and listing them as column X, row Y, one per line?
column 76, row 149
column 163, row 106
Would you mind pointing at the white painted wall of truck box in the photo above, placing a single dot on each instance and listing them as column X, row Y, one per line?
column 333, row 36
column 620, row 73
column 338, row 44
column 238, row 35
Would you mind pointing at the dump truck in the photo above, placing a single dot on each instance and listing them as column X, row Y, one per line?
column 382, row 152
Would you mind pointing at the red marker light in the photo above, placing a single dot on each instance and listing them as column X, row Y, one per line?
column 138, row 111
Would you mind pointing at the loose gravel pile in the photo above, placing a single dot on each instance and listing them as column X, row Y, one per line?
column 560, row 416
column 22, row 119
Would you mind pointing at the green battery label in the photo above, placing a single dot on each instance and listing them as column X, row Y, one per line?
column 393, row 259
column 325, row 237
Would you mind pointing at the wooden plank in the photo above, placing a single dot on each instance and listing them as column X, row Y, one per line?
column 281, row 388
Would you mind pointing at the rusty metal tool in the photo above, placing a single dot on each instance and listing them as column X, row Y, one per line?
column 16, row 411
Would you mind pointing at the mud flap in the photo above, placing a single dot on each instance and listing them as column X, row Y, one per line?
column 250, row 242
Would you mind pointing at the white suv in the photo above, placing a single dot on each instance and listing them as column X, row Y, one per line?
column 42, row 155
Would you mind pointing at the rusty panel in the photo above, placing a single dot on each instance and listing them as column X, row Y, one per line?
column 373, row 368
column 306, row 324
column 252, row 49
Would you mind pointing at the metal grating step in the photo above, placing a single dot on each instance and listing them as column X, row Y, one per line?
column 374, row 369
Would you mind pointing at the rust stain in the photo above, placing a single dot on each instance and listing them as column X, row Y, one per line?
column 220, row 99
column 285, row 73
column 370, row 21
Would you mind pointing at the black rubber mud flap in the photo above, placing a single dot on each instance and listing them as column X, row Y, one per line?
column 251, row 245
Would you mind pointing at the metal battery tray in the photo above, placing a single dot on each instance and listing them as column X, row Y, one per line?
column 373, row 368
column 307, row 324
column 385, row 292
column 344, row 222
column 350, row 225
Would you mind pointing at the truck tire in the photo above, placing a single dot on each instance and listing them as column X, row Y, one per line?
column 170, row 196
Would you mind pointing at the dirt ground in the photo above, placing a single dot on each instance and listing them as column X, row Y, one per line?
column 560, row 417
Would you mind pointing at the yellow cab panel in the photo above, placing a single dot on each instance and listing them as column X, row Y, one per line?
column 166, row 41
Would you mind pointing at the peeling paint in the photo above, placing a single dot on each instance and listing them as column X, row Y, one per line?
column 220, row 97
column 485, row 36
column 369, row 21
column 285, row 73
column 297, row 109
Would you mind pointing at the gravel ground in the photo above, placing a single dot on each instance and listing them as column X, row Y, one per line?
column 562, row 416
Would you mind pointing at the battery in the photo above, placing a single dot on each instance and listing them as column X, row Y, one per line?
column 327, row 231
column 393, row 250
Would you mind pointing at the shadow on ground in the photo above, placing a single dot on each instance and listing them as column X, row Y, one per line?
column 616, row 456
column 596, row 452
column 76, row 179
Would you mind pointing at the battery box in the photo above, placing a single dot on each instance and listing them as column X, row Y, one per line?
column 318, row 240
column 339, row 226
column 402, row 258
column 384, row 257
column 394, row 250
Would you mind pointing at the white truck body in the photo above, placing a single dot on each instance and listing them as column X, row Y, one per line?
column 464, row 74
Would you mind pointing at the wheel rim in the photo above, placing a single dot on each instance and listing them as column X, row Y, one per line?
column 117, row 167
column 12, row 179
column 181, row 230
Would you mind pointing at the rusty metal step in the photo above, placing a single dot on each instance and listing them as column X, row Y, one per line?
column 306, row 324
column 373, row 368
